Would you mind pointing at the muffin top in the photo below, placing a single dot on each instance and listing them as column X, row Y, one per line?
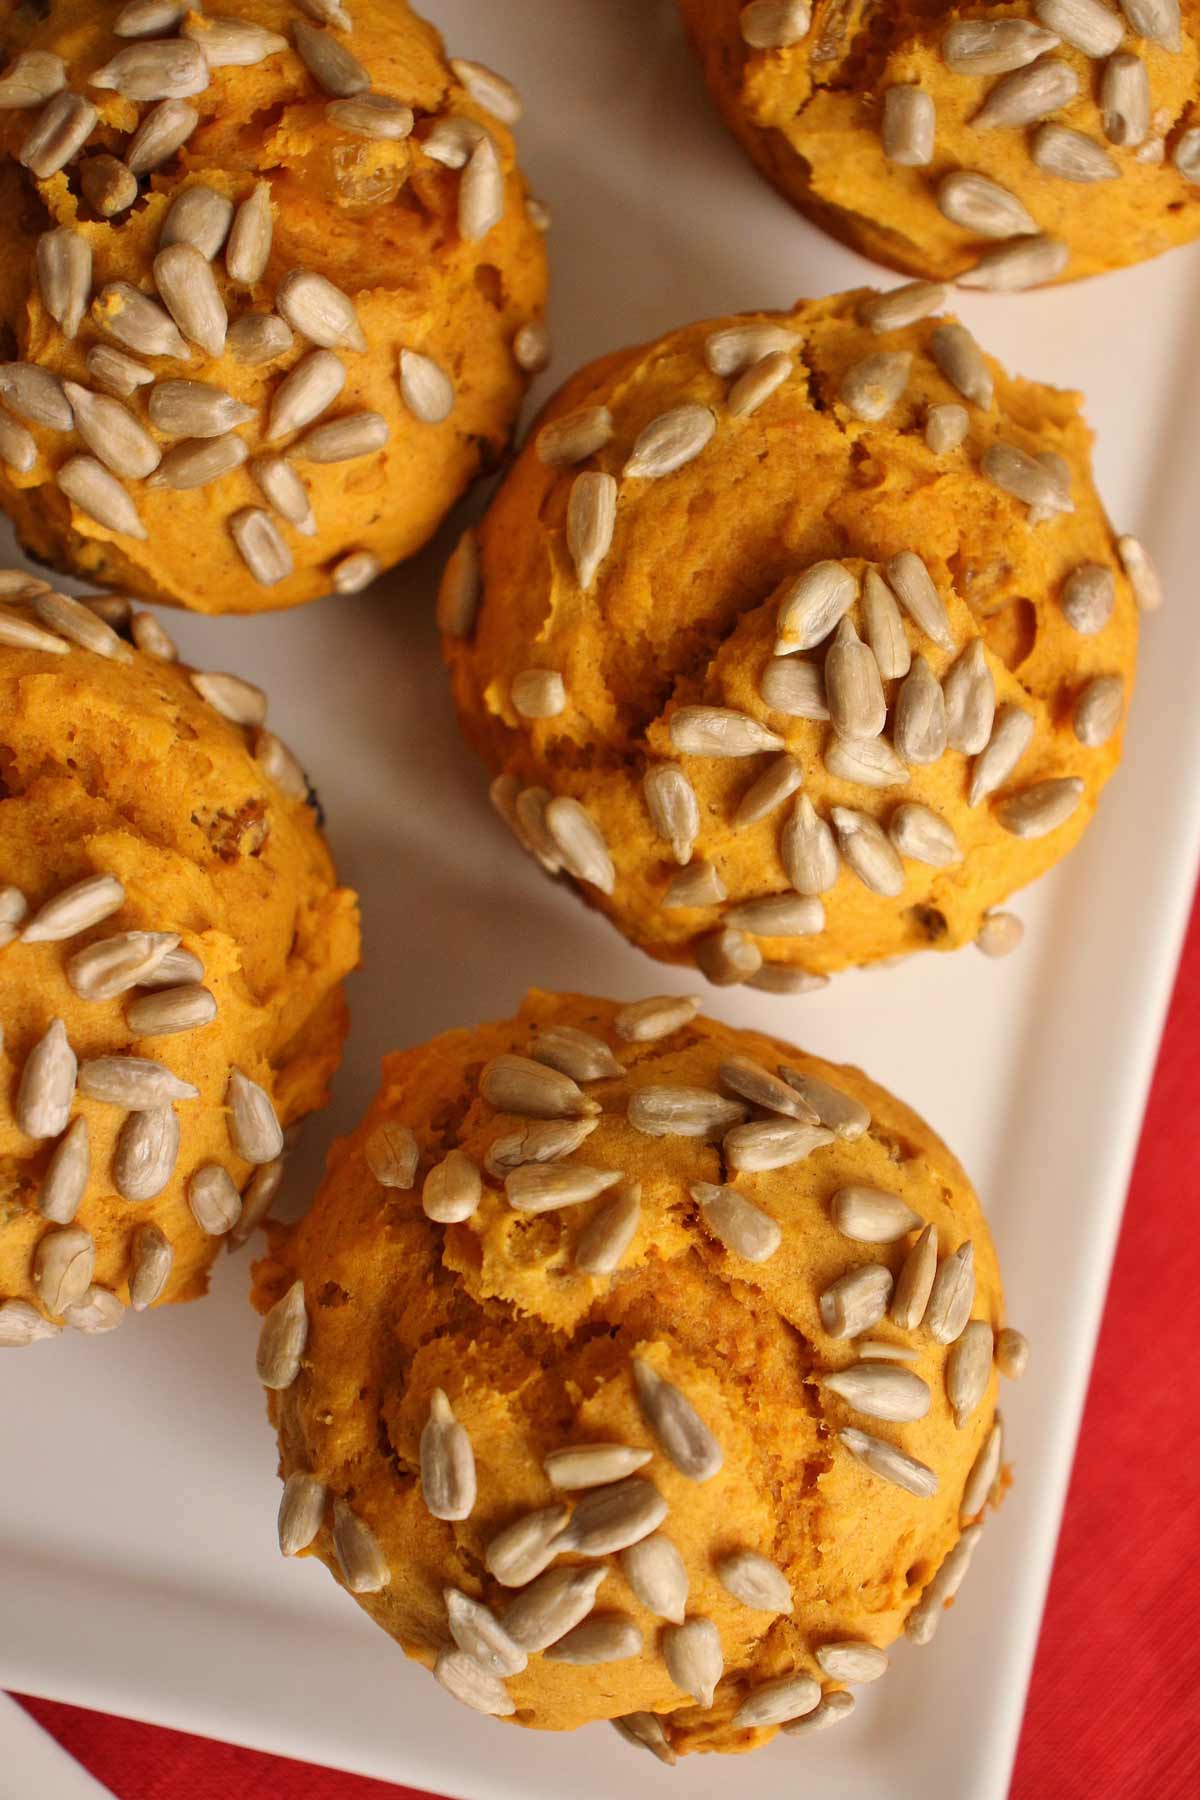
column 798, row 640
column 1007, row 147
column 623, row 1273
column 172, row 945
column 286, row 273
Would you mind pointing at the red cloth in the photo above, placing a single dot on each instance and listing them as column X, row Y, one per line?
column 1114, row 1708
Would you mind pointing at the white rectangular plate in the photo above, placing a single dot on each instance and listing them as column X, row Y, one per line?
column 138, row 1567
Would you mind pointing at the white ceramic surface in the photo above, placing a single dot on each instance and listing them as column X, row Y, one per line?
column 138, row 1570
column 31, row 1763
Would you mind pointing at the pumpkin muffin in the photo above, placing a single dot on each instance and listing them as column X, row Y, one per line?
column 798, row 640
column 631, row 1367
column 172, row 947
column 270, row 296
column 1001, row 146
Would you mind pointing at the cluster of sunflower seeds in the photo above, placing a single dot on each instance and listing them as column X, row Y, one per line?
column 605, row 1507
column 161, row 988
column 1027, row 85
column 163, row 73
column 869, row 677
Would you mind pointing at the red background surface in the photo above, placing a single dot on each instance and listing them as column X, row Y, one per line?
column 1114, row 1707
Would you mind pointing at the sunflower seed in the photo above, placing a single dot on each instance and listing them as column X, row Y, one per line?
column 791, row 685
column 908, row 126
column 80, row 625
column 1028, row 95
column 864, row 845
column 611, row 1518
column 970, row 696
column 263, row 550
column 758, row 383
column 579, row 1054
column 655, row 1571
column 739, row 347
column 891, row 1463
column 839, row 1112
column 165, row 69
column 258, row 338
column 188, row 288
column 811, row 606
column 662, row 1111
column 884, row 1350
column 531, row 347
column 35, row 394
column 699, row 884
column 1025, row 477
column 926, row 1615
column 914, row 587
column 254, row 1130
column 682, row 1434
column 539, row 693
column 18, row 448
column 880, row 1390
column 31, row 79
column 545, row 1187
column 344, row 439
column 903, row 306
column 453, row 1189
column 612, row 1229
column 448, row 1482
column 462, row 1677
column 66, row 1177
column 328, row 12
column 1009, row 741
column 1097, row 711
column 692, row 1653
column 329, row 62
column 924, row 836
column 481, row 1637
column 552, row 1606
column 150, row 637
column 1186, row 155
column 282, row 1340
column 872, row 387
column 719, row 731
column 280, row 765
column 994, row 47
column 321, row 312
column 185, row 1008
column 915, row 1281
column 952, row 1295
column 79, row 906
column 110, row 429
column 857, row 706
column 452, row 140
column 1141, row 573
column 1086, row 24
column 461, row 587
column 597, row 1641
column 199, row 462
column 114, row 609
column 99, row 1311
column 232, row 43
column 313, row 385
column 591, row 521
column 112, row 966
column 645, row 1730
column 1012, row 1353
column 1087, row 598
column 778, row 782
column 481, row 192
column 580, row 843
column 1156, row 20
column 982, row 207
column 195, row 409
column 374, row 116
column 984, row 1471
column 969, row 1370
column 256, row 1203
column 645, row 1021
column 574, row 436
column 592, row 1465
column 360, row 1558
column 162, row 132
column 673, row 808
column 301, row 1513
column 1071, row 155
column 884, row 628
column 945, row 428
column 538, row 214
column 781, row 915
column 871, row 1216
column 755, row 1581
column 1125, row 100
column 727, row 957
column 774, row 1702
column 59, row 133
column 200, row 217
column 1000, row 934
column 22, row 1324
column 138, row 322
column 488, row 90
column 64, row 269
column 961, row 361
column 1025, row 263
column 852, row 1660
column 773, row 1144
column 1042, row 808
column 516, row 1084
column 151, row 1267
column 920, row 715
column 526, row 1547
column 236, row 700
column 136, row 1083
column 833, row 1708
column 856, row 1300
column 107, row 185
column 63, row 1265
column 532, row 832
column 354, row 572
column 13, row 910
column 735, row 1222
column 215, row 1202
column 807, row 849
column 392, row 1154
column 543, row 1142
column 670, row 441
